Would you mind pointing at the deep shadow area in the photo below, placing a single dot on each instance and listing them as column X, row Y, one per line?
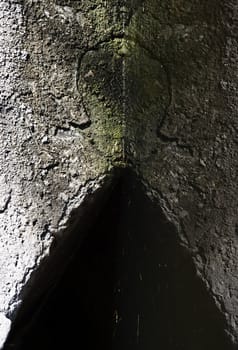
column 130, row 286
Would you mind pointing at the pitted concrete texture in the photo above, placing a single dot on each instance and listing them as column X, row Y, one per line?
column 91, row 88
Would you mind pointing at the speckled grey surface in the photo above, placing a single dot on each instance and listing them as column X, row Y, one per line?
column 93, row 86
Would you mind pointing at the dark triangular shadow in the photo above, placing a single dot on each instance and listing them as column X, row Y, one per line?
column 131, row 285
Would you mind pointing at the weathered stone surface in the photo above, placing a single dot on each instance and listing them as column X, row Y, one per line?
column 89, row 88
column 50, row 157
column 130, row 284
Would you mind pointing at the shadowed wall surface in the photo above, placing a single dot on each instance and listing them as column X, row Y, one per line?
column 89, row 89
column 131, row 285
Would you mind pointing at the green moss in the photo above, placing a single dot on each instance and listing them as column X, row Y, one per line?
column 125, row 48
column 128, row 91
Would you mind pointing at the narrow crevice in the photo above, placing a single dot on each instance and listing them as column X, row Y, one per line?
column 130, row 285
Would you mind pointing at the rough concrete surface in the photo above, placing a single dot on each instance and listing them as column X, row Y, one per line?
column 91, row 88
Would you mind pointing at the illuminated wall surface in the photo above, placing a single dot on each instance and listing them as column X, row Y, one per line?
column 118, row 168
